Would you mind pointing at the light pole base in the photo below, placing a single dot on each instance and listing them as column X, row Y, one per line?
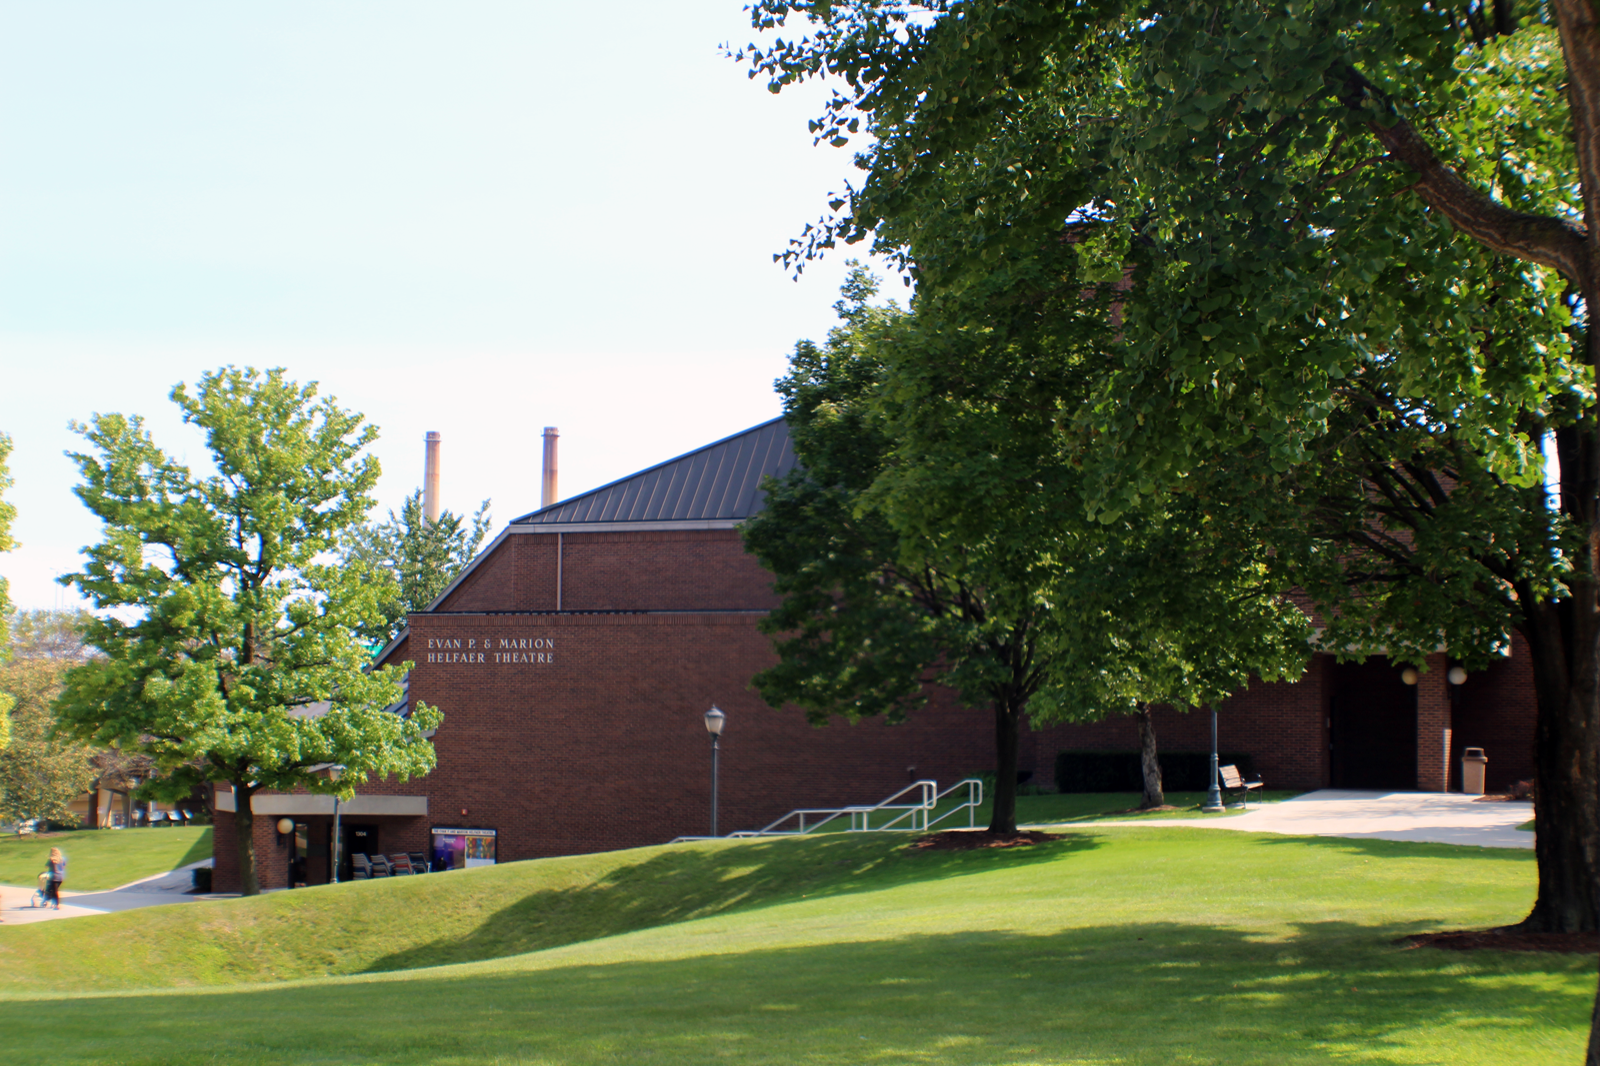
column 1213, row 804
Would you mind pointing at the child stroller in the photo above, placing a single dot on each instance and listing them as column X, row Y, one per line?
column 39, row 893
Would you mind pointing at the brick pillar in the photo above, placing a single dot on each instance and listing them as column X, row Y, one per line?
column 1433, row 725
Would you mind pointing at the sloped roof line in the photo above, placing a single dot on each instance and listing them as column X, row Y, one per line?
column 721, row 480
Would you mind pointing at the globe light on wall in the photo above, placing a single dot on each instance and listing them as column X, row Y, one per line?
column 1456, row 676
column 285, row 826
column 1409, row 675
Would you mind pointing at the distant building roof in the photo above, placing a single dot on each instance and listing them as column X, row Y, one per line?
column 720, row 481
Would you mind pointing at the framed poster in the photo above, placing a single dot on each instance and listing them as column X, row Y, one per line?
column 462, row 849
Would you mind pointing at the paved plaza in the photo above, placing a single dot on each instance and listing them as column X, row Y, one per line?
column 16, row 903
column 1436, row 817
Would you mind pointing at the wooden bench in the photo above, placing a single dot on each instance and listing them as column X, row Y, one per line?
column 1234, row 783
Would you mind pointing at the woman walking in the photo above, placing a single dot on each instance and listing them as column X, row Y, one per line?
column 58, row 874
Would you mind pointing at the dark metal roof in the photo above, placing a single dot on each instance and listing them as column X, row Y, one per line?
column 719, row 481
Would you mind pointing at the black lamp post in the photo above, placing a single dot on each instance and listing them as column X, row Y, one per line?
column 1214, row 794
column 334, row 773
column 714, row 721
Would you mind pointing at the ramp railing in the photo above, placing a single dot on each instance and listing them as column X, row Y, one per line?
column 974, row 799
column 909, row 810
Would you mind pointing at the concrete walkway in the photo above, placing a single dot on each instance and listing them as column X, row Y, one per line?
column 154, row 891
column 1436, row 817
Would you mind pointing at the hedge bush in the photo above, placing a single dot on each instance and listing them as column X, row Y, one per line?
column 1118, row 771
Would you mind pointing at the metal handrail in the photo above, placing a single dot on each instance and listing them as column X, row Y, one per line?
column 918, row 816
column 860, row 814
column 974, row 789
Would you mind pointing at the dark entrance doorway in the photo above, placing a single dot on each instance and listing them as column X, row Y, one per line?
column 1372, row 727
column 355, row 839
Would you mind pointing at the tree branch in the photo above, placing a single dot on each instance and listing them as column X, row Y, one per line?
column 1542, row 239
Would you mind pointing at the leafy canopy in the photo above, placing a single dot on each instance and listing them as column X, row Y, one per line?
column 41, row 772
column 229, row 634
column 415, row 558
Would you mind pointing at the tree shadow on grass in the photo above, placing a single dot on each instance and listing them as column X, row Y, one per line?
column 685, row 883
column 200, row 849
column 1129, row 993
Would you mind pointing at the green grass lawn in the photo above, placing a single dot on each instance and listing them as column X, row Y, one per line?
column 98, row 859
column 1112, row 946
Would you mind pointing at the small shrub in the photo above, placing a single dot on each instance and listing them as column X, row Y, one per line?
column 1522, row 790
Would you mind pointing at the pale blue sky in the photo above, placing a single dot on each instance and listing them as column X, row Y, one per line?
column 478, row 217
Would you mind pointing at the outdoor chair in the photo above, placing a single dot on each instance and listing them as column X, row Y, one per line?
column 400, row 865
column 360, row 868
column 380, row 866
column 419, row 862
column 1235, row 784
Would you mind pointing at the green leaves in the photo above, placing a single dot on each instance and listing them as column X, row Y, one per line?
column 231, row 640
column 412, row 560
column 8, row 513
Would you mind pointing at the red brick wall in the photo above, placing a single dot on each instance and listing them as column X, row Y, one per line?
column 1496, row 710
column 622, row 571
column 1284, row 726
column 600, row 744
column 603, row 745
column 1434, row 724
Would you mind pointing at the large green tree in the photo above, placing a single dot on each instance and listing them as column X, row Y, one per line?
column 1359, row 246
column 230, row 637
column 935, row 535
column 417, row 559
column 41, row 771
column 7, row 513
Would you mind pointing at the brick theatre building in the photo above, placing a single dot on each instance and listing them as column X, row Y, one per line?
column 575, row 657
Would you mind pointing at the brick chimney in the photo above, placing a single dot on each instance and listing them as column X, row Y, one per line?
column 430, row 478
column 547, row 491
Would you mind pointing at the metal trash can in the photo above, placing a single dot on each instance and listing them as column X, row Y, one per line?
column 1473, row 763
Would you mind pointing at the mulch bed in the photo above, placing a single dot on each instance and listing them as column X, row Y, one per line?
column 968, row 839
column 1506, row 938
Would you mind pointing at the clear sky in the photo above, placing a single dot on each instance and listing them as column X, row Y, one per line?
column 480, row 218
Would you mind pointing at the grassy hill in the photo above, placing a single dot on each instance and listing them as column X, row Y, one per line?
column 1110, row 946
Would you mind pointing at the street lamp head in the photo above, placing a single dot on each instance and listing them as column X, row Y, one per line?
column 714, row 720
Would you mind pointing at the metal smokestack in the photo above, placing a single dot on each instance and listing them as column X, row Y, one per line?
column 430, row 478
column 547, row 491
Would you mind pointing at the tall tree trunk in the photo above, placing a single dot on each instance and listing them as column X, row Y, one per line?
column 1148, row 763
column 244, row 830
column 1566, row 807
column 1003, row 816
column 1569, row 772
